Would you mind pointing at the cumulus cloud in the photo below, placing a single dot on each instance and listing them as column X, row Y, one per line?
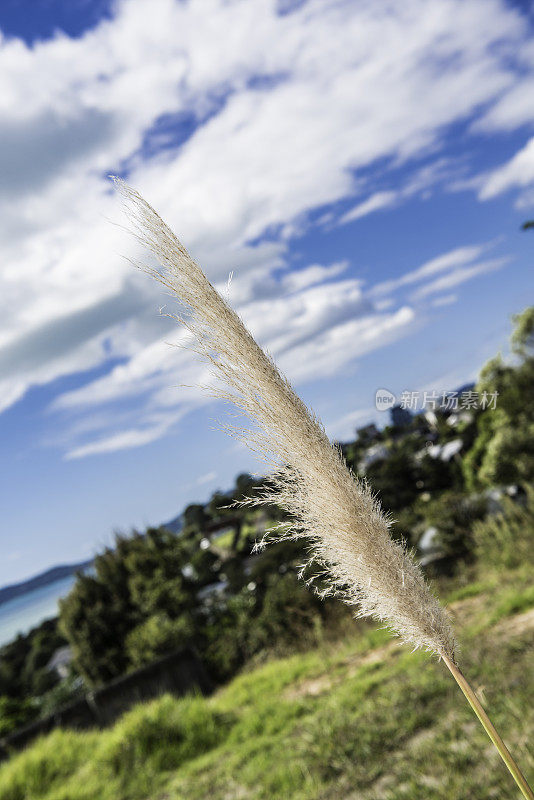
column 235, row 138
column 32, row 155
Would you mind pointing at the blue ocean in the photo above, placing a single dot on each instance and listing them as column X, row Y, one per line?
column 21, row 614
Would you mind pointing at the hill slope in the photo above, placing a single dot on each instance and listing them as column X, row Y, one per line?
column 361, row 719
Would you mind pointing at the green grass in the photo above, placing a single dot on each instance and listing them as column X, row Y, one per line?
column 471, row 590
column 512, row 602
column 363, row 718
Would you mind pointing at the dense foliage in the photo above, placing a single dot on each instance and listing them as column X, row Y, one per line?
column 24, row 675
column 23, row 661
column 503, row 451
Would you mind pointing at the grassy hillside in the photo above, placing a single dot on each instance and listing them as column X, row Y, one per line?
column 362, row 718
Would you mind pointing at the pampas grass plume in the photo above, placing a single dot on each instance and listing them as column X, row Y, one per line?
column 346, row 530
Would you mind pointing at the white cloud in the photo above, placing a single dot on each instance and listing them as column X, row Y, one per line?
column 344, row 427
column 515, row 107
column 290, row 108
column 312, row 275
column 442, row 263
column 519, row 171
column 124, row 440
column 525, row 199
column 458, row 276
column 327, row 354
column 375, row 202
column 421, row 182
column 311, row 331
column 314, row 331
column 208, row 477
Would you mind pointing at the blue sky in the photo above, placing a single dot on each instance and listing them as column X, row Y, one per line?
column 361, row 168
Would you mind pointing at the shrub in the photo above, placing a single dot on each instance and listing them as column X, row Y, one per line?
column 454, row 514
column 15, row 713
column 157, row 635
column 291, row 615
column 505, row 539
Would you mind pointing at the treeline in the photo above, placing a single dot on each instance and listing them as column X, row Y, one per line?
column 440, row 474
column 155, row 591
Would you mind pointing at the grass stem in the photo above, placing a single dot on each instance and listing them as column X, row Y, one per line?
column 488, row 726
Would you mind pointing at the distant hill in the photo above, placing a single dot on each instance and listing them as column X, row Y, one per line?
column 174, row 525
column 43, row 579
column 64, row 570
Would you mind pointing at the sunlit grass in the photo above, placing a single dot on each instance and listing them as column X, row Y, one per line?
column 361, row 718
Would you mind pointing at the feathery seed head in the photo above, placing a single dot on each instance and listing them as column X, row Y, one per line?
column 347, row 532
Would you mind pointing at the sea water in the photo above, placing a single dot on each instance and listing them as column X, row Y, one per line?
column 21, row 614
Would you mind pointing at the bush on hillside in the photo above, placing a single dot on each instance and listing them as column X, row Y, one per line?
column 16, row 713
column 507, row 539
column 157, row 635
column 453, row 514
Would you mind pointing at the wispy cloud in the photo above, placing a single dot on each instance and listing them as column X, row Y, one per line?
column 344, row 427
column 312, row 275
column 124, row 440
column 375, row 202
column 442, row 263
column 445, row 300
column 459, row 276
column 519, row 171
column 208, row 477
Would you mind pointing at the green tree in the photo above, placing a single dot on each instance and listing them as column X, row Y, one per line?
column 290, row 614
column 454, row 514
column 95, row 618
column 16, row 713
column 523, row 336
column 394, row 478
column 142, row 577
column 154, row 564
column 503, row 449
column 23, row 661
column 245, row 486
column 195, row 517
